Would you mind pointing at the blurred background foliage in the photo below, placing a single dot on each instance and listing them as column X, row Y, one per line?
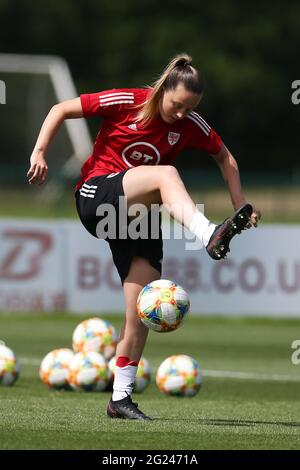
column 248, row 53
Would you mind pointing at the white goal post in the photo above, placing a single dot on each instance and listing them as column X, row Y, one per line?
column 59, row 73
column 2, row 92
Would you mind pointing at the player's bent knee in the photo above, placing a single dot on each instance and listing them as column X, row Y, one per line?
column 168, row 172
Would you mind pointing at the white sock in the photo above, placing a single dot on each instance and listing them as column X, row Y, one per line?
column 123, row 383
column 202, row 227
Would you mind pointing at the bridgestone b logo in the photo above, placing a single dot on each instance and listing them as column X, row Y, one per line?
column 2, row 92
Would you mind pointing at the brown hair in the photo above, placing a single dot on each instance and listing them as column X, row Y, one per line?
column 179, row 70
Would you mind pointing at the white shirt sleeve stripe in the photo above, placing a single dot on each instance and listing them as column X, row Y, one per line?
column 192, row 118
column 197, row 116
column 113, row 98
column 123, row 93
column 116, row 102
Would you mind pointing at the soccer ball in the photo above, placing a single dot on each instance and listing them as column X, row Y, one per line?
column 143, row 375
column 89, row 371
column 96, row 335
column 9, row 366
column 54, row 369
column 179, row 375
column 162, row 305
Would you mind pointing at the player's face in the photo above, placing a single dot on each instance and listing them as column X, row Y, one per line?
column 177, row 104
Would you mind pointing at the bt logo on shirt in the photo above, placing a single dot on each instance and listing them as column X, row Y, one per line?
column 141, row 153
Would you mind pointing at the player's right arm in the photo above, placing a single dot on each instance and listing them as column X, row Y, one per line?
column 69, row 109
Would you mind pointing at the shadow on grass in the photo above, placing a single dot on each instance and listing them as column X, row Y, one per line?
column 234, row 422
column 241, row 422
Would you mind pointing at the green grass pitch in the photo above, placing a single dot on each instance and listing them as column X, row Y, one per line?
column 250, row 398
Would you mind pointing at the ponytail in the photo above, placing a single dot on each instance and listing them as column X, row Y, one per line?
column 179, row 70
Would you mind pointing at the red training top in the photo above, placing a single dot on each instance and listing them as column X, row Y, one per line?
column 123, row 144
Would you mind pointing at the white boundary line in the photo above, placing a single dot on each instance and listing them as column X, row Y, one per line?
column 29, row 361
column 226, row 374
column 250, row 376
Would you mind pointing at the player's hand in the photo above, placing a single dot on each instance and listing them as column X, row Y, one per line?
column 38, row 170
column 255, row 217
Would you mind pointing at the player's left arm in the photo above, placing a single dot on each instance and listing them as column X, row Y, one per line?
column 230, row 171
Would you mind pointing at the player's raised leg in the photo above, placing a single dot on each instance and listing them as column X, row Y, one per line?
column 155, row 185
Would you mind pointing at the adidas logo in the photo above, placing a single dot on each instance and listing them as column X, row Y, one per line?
column 133, row 127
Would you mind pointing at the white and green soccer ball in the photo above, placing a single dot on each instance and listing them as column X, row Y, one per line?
column 162, row 305
column 179, row 375
column 9, row 365
column 143, row 375
column 96, row 335
column 89, row 371
column 54, row 368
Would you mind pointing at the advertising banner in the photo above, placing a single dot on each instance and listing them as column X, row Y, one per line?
column 58, row 266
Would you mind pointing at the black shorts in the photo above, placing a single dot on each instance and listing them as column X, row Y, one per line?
column 107, row 189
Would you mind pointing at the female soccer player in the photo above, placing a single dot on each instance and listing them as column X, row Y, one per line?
column 142, row 132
